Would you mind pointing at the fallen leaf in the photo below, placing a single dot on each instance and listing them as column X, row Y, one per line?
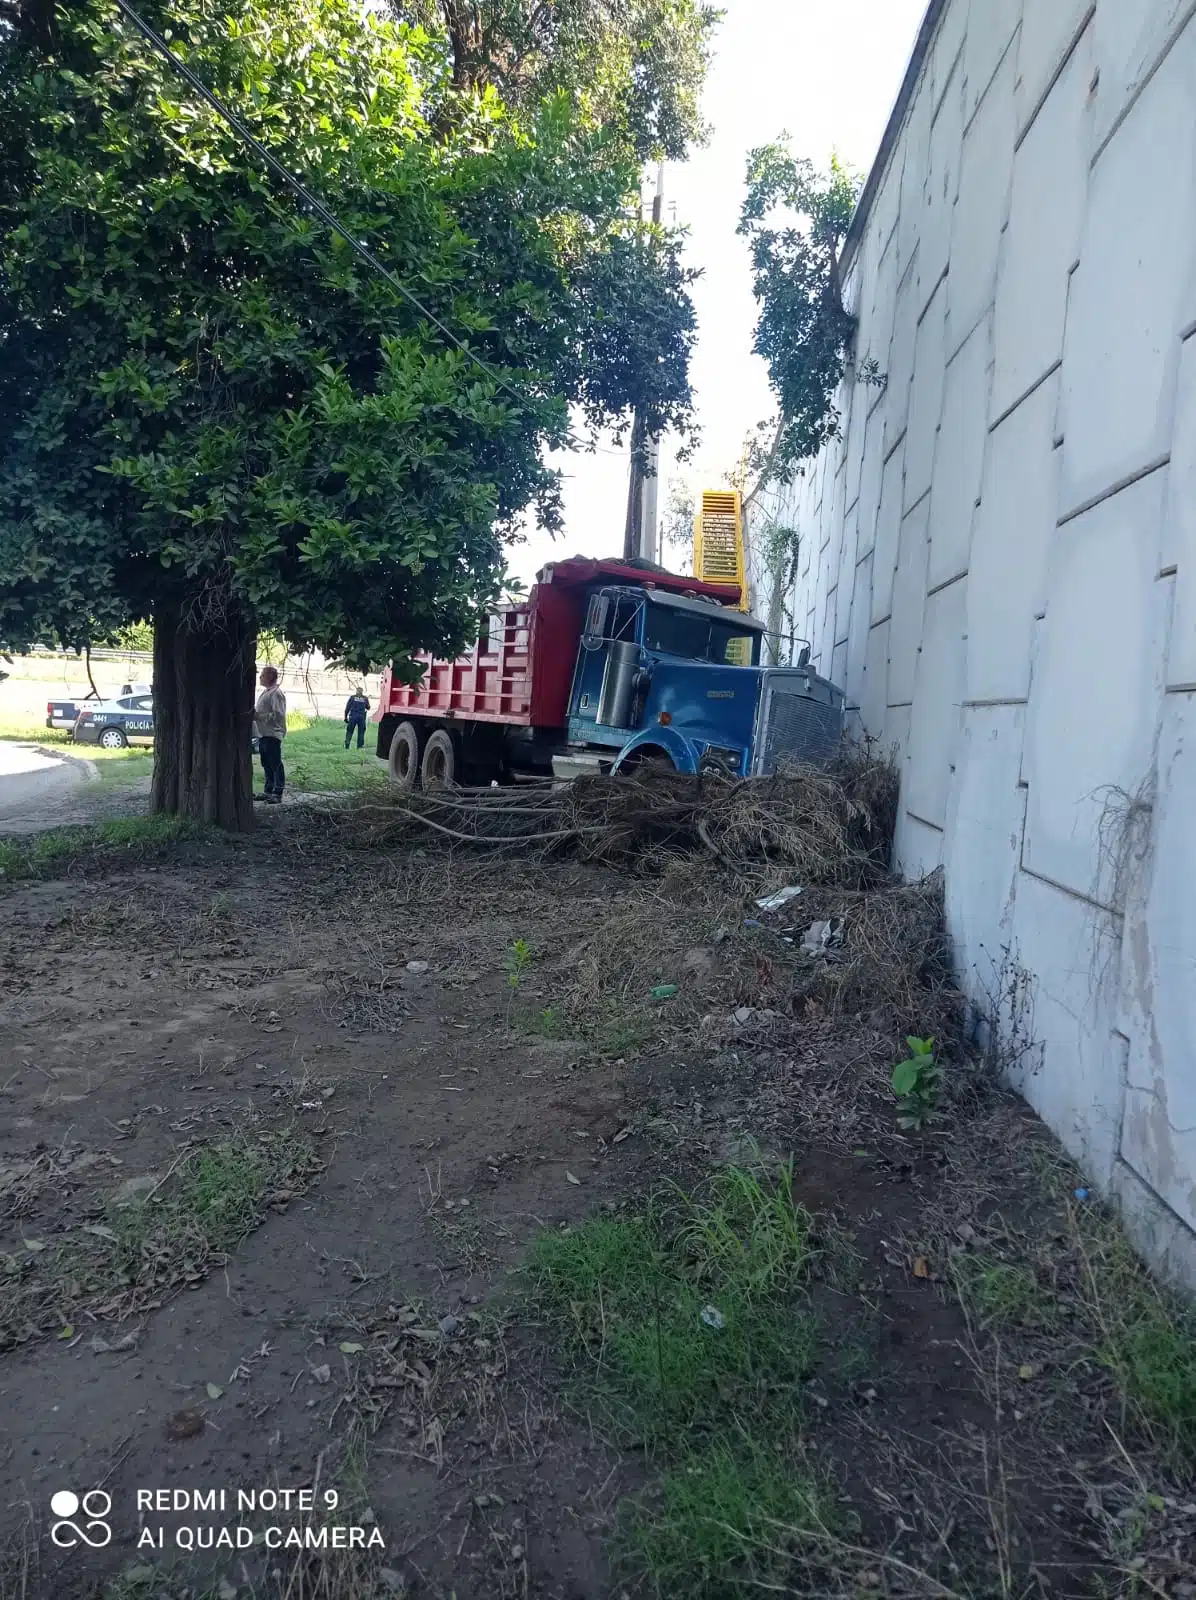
column 351, row 1349
column 572, row 1179
column 34, row 1244
column 623, row 1133
column 322, row 1374
column 100, row 1231
column 1029, row 1370
column 68, row 1332
column 921, row 1267
column 214, row 1391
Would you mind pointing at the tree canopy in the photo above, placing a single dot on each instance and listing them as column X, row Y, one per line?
column 214, row 414
column 796, row 220
column 633, row 67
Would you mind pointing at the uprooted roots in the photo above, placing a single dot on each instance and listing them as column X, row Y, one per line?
column 822, row 825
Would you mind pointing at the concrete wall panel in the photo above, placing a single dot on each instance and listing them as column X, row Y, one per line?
column 1130, row 39
column 985, row 817
column 1048, row 32
column 959, row 457
column 942, row 185
column 982, row 209
column 871, row 467
column 874, row 684
column 1073, row 1078
column 926, row 399
column 1134, row 289
column 1177, row 545
column 901, row 358
column 989, row 46
column 938, row 697
column 857, row 633
column 1042, row 241
column 1013, row 535
column 888, row 527
column 1159, row 1139
column 1096, row 686
column 918, row 848
column 909, row 600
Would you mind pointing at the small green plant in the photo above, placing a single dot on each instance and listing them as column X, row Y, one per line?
column 518, row 960
column 917, row 1083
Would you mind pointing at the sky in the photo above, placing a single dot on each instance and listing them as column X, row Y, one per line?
column 827, row 73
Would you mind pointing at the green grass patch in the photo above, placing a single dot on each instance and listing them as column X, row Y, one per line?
column 316, row 759
column 114, row 765
column 1002, row 1294
column 143, row 1247
column 39, row 855
column 691, row 1336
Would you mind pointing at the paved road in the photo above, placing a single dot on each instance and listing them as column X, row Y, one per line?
column 31, row 780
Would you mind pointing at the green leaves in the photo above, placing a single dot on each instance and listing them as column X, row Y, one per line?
column 917, row 1083
column 203, row 394
column 795, row 220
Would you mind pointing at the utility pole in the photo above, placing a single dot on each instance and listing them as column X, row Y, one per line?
column 640, row 529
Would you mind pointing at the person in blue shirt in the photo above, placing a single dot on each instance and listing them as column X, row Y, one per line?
column 356, row 710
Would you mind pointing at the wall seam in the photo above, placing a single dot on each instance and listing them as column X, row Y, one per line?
column 1073, row 894
column 1056, row 75
column 1115, row 488
column 946, row 583
column 1173, row 39
column 967, row 127
column 1022, row 398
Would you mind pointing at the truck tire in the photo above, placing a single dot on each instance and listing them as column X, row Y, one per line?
column 403, row 761
column 439, row 766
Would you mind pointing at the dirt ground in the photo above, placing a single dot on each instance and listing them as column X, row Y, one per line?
column 382, row 1047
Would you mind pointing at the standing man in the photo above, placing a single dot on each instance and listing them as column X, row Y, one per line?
column 270, row 725
column 356, row 708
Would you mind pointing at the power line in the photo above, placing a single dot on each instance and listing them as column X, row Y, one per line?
column 305, row 194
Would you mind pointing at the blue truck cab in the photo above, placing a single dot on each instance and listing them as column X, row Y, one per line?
column 676, row 679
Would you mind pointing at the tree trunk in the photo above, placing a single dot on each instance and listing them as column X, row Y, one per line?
column 203, row 714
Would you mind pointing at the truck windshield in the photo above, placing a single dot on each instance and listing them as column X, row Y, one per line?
column 697, row 638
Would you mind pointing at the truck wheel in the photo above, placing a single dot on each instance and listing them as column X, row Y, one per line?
column 403, row 762
column 113, row 739
column 439, row 766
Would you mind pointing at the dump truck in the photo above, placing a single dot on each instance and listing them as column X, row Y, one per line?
column 607, row 665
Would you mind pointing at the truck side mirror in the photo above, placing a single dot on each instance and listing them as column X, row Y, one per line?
column 596, row 619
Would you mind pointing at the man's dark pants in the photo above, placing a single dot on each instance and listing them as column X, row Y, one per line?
column 359, row 724
column 270, row 751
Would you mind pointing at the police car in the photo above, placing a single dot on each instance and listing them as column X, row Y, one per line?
column 113, row 723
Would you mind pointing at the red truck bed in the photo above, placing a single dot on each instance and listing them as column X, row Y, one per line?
column 521, row 672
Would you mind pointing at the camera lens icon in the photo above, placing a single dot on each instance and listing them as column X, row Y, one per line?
column 94, row 1506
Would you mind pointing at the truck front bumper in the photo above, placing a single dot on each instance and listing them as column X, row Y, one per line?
column 578, row 764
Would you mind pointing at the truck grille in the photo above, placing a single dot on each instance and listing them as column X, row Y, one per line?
column 798, row 728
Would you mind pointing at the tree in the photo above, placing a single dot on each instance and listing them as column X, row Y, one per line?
column 215, row 416
column 634, row 67
column 796, row 220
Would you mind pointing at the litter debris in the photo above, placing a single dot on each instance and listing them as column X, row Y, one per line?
column 820, row 937
column 133, row 1188
column 184, row 1425
column 322, row 1374
column 1082, row 1194
column 449, row 1325
column 101, row 1346
column 774, row 902
column 712, row 1317
column 417, row 966
column 664, row 991
column 752, row 922
column 742, row 1015
column 214, row 1391
column 571, row 1179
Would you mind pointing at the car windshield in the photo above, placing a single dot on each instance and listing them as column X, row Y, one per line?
column 675, row 632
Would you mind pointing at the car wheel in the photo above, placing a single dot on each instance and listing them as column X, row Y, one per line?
column 113, row 739
column 439, row 766
column 403, row 763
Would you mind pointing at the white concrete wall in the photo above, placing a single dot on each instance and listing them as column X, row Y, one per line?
column 998, row 556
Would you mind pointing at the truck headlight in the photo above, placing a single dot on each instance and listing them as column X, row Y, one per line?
column 721, row 758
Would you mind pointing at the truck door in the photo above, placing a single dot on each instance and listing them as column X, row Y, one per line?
column 613, row 618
